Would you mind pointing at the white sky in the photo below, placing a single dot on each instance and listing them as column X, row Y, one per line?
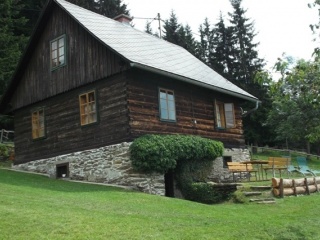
column 281, row 25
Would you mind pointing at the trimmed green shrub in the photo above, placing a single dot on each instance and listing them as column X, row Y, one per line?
column 159, row 153
column 206, row 193
column 190, row 157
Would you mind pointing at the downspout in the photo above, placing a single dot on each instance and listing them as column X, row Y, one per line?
column 246, row 113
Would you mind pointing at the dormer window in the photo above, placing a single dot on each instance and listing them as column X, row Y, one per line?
column 58, row 52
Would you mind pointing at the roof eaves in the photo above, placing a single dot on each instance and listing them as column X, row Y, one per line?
column 193, row 81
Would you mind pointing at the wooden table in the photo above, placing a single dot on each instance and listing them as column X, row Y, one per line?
column 260, row 168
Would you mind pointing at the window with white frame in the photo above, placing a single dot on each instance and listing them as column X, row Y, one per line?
column 167, row 105
column 58, row 52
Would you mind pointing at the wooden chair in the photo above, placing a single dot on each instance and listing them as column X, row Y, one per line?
column 277, row 163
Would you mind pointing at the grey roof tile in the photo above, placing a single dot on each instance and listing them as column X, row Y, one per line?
column 151, row 52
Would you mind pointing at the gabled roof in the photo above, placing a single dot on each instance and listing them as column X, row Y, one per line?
column 151, row 53
column 140, row 49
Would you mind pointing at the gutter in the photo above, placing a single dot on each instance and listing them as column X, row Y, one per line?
column 246, row 113
column 194, row 82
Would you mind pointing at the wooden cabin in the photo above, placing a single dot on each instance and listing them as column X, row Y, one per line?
column 86, row 81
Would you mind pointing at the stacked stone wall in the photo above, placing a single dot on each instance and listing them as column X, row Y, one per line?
column 220, row 173
column 112, row 165
column 109, row 165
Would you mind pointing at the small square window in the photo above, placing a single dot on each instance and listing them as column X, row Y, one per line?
column 167, row 105
column 88, row 112
column 38, row 125
column 58, row 52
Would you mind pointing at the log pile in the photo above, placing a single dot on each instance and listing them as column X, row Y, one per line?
column 287, row 187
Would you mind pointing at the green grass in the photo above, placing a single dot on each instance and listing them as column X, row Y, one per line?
column 36, row 207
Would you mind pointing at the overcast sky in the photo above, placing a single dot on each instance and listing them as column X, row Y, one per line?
column 281, row 25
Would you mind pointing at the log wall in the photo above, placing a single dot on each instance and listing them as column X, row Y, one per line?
column 87, row 60
column 192, row 103
column 64, row 134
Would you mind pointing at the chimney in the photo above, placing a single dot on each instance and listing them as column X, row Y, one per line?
column 125, row 19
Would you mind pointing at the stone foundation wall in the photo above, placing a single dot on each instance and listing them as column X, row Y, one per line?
column 112, row 165
column 221, row 174
column 109, row 165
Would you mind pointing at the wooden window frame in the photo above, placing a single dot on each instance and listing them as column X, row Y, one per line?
column 88, row 108
column 224, row 115
column 170, row 112
column 38, row 125
column 60, row 53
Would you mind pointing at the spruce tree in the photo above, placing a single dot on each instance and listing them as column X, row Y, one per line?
column 246, row 61
column 221, row 57
column 111, row 8
column 108, row 8
column 206, row 45
column 171, row 29
column 12, row 41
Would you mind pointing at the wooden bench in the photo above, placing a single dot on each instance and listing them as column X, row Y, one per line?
column 237, row 167
column 277, row 164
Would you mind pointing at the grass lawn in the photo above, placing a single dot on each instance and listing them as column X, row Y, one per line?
column 36, row 207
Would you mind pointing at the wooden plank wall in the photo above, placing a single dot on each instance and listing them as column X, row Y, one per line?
column 87, row 60
column 64, row 134
column 192, row 103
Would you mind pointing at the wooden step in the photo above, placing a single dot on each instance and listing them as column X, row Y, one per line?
column 267, row 202
column 260, row 188
column 263, row 200
column 252, row 193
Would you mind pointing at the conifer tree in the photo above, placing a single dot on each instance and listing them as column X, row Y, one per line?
column 12, row 41
column 246, row 61
column 108, row 8
column 171, row 29
column 221, row 58
column 206, row 46
column 176, row 33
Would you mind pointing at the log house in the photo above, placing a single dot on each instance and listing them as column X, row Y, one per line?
column 87, row 81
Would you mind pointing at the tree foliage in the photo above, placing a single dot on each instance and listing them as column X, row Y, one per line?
column 160, row 153
column 296, row 105
column 108, row 8
column 12, row 40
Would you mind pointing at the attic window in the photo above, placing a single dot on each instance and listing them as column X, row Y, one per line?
column 88, row 113
column 224, row 115
column 58, row 52
column 38, row 128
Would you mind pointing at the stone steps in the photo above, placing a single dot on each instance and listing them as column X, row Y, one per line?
column 262, row 193
column 260, row 188
column 263, row 200
column 247, row 194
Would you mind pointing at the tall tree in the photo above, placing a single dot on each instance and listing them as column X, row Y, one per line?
column 171, row 29
column 12, row 41
column 246, row 62
column 176, row 33
column 295, row 113
column 148, row 29
column 205, row 44
column 111, row 8
column 108, row 8
column 31, row 11
column 221, row 58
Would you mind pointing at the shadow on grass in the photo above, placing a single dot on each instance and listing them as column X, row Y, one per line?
column 43, row 182
column 291, row 233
